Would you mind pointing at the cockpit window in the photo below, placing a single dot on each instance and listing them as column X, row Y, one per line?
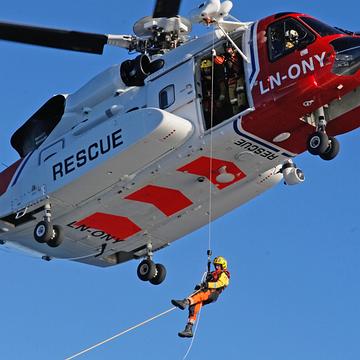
column 321, row 28
column 285, row 36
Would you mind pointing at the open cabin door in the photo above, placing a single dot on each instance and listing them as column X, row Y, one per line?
column 222, row 84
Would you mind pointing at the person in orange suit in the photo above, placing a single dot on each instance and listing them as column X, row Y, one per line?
column 206, row 293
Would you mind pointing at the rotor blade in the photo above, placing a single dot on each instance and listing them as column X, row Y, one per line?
column 54, row 38
column 166, row 8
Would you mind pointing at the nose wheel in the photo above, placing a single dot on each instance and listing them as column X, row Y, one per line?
column 319, row 143
column 327, row 147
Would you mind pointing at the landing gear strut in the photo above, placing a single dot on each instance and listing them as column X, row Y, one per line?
column 149, row 271
column 319, row 143
column 45, row 232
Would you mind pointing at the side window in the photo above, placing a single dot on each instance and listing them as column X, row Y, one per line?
column 285, row 36
column 167, row 97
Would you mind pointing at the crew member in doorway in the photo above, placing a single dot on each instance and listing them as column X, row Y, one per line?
column 205, row 293
column 206, row 77
column 234, row 74
column 213, row 92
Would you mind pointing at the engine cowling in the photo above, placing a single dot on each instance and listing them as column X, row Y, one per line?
column 133, row 72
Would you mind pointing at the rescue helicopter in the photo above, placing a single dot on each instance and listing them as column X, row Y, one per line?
column 123, row 167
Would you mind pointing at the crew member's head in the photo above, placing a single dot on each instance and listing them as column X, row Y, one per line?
column 221, row 262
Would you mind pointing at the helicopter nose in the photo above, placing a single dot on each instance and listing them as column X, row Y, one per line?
column 347, row 59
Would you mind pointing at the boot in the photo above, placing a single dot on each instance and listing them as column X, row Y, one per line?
column 187, row 331
column 181, row 304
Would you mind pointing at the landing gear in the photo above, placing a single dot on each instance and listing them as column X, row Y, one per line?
column 146, row 270
column 45, row 232
column 160, row 275
column 332, row 150
column 319, row 143
column 149, row 271
column 57, row 237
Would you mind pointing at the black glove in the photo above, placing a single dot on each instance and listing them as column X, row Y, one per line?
column 209, row 277
column 197, row 287
column 204, row 285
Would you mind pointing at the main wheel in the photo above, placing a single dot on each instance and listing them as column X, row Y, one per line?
column 43, row 231
column 317, row 143
column 57, row 237
column 146, row 270
column 332, row 149
column 160, row 275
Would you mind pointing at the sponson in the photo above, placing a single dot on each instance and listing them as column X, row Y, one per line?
column 83, row 156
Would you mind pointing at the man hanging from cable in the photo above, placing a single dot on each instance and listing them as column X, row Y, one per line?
column 206, row 293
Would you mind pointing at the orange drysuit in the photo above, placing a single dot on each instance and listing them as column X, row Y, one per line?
column 219, row 280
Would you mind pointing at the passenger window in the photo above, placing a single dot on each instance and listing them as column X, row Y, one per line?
column 285, row 36
column 167, row 97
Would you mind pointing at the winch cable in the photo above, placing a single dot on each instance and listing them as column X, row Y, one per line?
column 120, row 334
column 209, row 251
column 213, row 54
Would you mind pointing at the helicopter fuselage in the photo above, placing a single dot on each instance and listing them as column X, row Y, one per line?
column 128, row 166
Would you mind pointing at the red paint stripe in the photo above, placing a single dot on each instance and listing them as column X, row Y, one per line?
column 203, row 165
column 119, row 227
column 169, row 201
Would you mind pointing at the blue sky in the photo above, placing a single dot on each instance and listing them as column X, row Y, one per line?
column 293, row 252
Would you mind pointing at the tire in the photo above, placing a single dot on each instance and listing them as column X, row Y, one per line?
column 146, row 270
column 317, row 143
column 43, row 232
column 160, row 275
column 332, row 150
column 57, row 238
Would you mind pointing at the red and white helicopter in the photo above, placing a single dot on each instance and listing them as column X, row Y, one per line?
column 123, row 166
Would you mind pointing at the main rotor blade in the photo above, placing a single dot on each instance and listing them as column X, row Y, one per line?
column 166, row 8
column 54, row 38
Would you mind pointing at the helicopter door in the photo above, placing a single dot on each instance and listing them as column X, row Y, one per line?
column 174, row 90
column 222, row 79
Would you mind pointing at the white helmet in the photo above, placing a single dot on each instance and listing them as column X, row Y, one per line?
column 292, row 35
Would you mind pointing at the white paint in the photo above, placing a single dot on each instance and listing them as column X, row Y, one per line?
column 294, row 71
column 281, row 137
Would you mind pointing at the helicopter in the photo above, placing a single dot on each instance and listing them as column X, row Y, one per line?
column 123, row 167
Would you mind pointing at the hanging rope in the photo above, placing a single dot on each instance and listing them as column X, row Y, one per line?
column 213, row 54
column 197, row 323
column 209, row 251
column 120, row 334
column 193, row 338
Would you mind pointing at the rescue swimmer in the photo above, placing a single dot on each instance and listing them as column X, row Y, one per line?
column 205, row 293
